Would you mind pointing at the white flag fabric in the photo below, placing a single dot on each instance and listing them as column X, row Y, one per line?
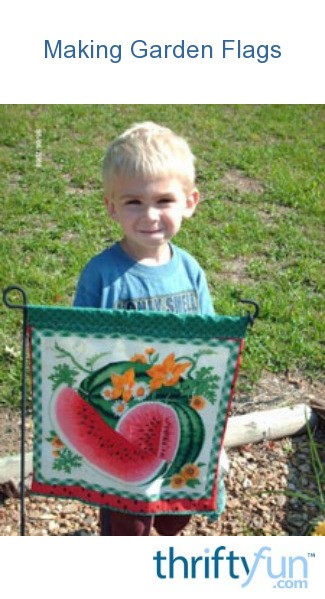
column 130, row 407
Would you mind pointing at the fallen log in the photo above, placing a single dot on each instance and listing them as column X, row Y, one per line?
column 10, row 467
column 269, row 424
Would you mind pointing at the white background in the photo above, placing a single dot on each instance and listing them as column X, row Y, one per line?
column 52, row 567
column 296, row 77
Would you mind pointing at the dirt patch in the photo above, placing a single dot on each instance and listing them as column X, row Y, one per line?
column 234, row 271
column 14, row 181
column 73, row 188
column 240, row 182
column 276, row 390
column 10, row 431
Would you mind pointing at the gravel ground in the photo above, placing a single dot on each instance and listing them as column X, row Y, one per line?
column 260, row 477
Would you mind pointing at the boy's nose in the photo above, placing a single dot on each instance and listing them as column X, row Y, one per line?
column 151, row 213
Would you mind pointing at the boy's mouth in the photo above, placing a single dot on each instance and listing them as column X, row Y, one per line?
column 150, row 231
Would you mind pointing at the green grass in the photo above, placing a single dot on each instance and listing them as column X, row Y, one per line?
column 258, row 232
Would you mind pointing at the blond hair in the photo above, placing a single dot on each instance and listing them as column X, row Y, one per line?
column 148, row 150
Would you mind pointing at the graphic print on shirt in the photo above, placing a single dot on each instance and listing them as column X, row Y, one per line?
column 186, row 302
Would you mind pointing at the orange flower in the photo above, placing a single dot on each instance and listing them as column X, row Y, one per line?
column 139, row 358
column 149, row 350
column 56, row 442
column 123, row 385
column 190, row 471
column 177, row 481
column 167, row 373
column 197, row 402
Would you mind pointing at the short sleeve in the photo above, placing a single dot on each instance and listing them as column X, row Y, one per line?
column 89, row 289
column 205, row 300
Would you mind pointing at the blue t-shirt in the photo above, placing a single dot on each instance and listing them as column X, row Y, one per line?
column 114, row 280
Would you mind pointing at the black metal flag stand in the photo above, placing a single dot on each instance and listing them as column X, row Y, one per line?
column 23, row 307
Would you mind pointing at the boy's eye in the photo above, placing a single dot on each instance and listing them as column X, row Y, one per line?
column 132, row 202
column 166, row 201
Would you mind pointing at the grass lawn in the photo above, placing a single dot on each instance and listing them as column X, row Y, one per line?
column 258, row 233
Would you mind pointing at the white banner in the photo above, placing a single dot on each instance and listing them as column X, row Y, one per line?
column 161, row 567
column 168, row 52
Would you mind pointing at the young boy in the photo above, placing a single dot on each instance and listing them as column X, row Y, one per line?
column 149, row 187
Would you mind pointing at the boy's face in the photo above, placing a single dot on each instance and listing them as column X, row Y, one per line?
column 150, row 212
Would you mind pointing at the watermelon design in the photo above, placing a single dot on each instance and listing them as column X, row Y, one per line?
column 192, row 437
column 134, row 420
column 82, row 429
column 152, row 427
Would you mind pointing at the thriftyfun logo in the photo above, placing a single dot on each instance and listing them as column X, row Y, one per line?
column 285, row 571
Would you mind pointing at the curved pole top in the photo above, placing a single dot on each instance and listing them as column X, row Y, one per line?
column 249, row 314
column 14, row 288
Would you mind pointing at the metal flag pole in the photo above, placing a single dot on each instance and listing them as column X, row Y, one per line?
column 251, row 316
column 23, row 307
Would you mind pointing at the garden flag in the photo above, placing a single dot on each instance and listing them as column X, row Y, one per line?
column 130, row 407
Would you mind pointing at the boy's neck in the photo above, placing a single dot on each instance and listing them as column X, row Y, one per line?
column 148, row 257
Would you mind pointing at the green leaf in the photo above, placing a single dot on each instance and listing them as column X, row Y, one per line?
column 63, row 373
column 66, row 461
column 90, row 363
column 204, row 383
column 166, row 482
column 192, row 482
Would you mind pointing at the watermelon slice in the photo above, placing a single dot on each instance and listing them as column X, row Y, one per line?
column 81, row 428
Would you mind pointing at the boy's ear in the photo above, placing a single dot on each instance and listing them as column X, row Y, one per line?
column 192, row 201
column 110, row 207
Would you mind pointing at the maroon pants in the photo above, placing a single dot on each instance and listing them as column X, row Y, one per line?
column 118, row 524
